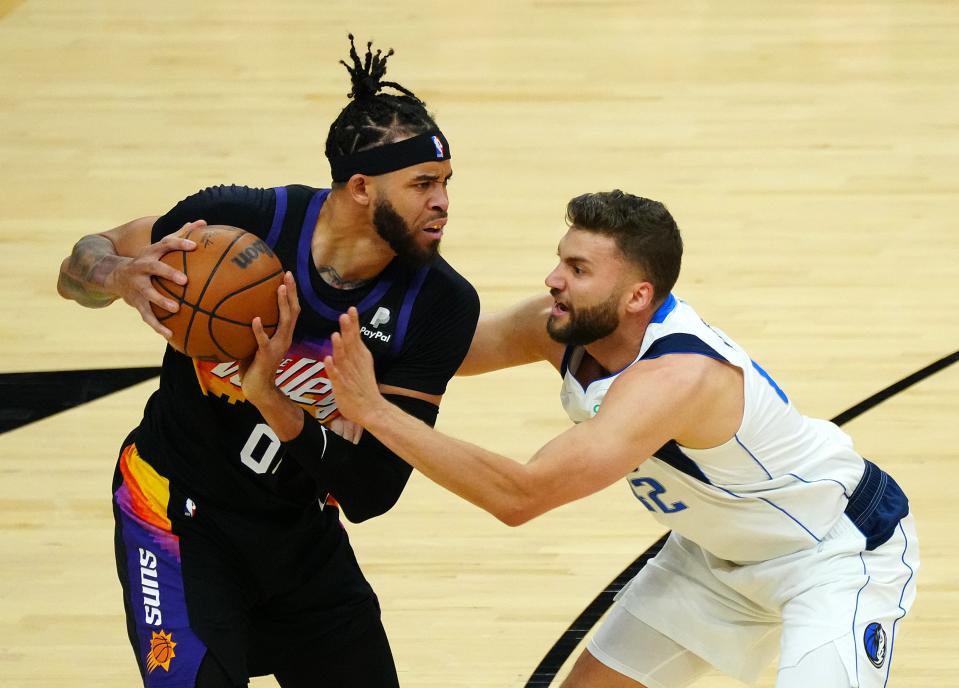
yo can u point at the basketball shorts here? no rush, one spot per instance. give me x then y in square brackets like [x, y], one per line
[738, 616]
[259, 595]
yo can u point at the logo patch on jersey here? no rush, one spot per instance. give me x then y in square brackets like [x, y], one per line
[161, 651]
[874, 641]
[189, 508]
[375, 334]
[381, 317]
[301, 376]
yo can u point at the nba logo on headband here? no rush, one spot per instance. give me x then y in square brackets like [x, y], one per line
[430, 146]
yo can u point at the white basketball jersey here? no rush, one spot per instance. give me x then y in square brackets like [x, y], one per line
[776, 487]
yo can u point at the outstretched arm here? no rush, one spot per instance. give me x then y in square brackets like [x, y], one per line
[120, 264]
[580, 461]
[512, 337]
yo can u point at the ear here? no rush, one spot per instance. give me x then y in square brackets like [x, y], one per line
[640, 297]
[359, 189]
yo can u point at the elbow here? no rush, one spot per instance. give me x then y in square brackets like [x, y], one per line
[520, 501]
[513, 520]
[515, 515]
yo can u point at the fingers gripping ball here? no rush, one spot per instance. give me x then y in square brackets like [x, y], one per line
[232, 277]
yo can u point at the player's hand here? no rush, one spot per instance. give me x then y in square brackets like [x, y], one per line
[347, 429]
[132, 279]
[350, 369]
[258, 373]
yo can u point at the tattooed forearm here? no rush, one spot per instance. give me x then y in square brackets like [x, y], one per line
[332, 277]
[83, 273]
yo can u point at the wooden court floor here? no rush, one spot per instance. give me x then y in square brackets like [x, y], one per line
[809, 151]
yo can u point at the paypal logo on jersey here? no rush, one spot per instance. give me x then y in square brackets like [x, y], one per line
[381, 317]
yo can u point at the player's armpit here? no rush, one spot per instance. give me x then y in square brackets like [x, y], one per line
[512, 337]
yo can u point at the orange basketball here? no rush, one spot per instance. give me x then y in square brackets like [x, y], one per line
[232, 277]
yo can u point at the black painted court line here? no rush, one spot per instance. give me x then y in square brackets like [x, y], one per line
[550, 665]
[895, 388]
[28, 397]
[544, 674]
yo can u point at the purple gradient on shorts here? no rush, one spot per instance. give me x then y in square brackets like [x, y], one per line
[144, 558]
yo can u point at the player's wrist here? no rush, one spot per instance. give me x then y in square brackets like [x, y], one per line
[377, 414]
[266, 397]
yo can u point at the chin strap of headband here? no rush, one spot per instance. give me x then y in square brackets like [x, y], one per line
[429, 147]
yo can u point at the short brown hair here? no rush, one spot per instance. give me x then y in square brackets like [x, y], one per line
[644, 231]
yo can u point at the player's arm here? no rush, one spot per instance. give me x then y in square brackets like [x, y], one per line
[647, 406]
[366, 477]
[119, 264]
[512, 337]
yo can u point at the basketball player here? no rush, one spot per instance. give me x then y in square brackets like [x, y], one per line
[229, 547]
[783, 537]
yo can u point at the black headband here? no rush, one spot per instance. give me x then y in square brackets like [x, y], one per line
[429, 147]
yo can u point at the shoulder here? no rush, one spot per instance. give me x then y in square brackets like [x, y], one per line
[298, 192]
[443, 284]
[679, 371]
[447, 276]
[234, 193]
[223, 197]
[239, 206]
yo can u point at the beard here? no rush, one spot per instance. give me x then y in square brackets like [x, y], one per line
[584, 326]
[394, 230]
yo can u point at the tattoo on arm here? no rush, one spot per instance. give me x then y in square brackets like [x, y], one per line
[332, 277]
[84, 272]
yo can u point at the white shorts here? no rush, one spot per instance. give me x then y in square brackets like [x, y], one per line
[736, 617]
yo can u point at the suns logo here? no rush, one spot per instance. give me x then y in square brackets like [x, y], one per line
[302, 378]
[161, 651]
[874, 641]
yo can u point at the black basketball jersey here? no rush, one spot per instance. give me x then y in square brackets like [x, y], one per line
[197, 428]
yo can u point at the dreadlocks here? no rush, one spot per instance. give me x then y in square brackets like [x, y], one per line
[373, 118]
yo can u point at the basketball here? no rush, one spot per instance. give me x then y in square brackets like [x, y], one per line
[232, 277]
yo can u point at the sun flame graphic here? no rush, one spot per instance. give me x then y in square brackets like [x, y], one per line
[161, 651]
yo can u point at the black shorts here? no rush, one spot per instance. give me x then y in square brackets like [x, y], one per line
[259, 595]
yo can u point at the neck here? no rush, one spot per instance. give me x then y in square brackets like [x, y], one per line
[617, 350]
[345, 247]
